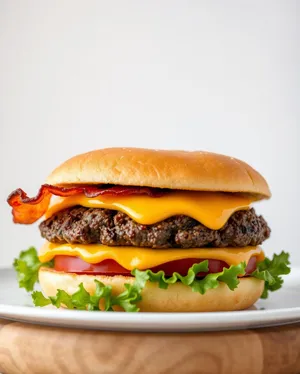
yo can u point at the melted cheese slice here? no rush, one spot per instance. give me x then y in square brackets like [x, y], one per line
[212, 209]
[144, 258]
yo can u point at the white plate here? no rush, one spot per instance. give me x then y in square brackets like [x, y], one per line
[282, 307]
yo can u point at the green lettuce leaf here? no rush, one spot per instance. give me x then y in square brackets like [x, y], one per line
[128, 299]
[102, 292]
[271, 270]
[39, 299]
[228, 276]
[27, 267]
[82, 300]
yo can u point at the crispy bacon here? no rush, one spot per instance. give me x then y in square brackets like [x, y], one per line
[28, 210]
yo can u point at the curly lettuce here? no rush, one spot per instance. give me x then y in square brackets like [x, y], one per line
[271, 270]
[27, 267]
[228, 276]
[82, 300]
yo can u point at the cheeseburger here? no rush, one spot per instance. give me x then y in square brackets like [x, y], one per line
[149, 230]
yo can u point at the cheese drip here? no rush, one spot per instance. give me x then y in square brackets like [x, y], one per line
[212, 209]
[144, 258]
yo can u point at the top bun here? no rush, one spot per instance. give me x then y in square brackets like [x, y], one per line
[196, 171]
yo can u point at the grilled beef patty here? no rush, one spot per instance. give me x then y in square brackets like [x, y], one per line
[80, 225]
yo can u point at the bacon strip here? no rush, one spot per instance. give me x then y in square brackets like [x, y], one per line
[28, 210]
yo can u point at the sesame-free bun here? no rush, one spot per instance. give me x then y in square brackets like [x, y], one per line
[197, 171]
[177, 298]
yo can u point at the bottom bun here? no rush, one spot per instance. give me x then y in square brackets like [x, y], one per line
[177, 298]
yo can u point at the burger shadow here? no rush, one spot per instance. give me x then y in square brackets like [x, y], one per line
[253, 307]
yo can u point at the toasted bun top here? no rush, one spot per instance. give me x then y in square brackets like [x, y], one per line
[197, 171]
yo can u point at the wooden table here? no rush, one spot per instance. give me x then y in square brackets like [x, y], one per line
[26, 348]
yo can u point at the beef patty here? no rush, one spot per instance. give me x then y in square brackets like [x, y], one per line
[110, 227]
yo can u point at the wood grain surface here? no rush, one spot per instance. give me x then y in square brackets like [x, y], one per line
[26, 348]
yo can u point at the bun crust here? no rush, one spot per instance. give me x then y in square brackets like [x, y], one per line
[197, 171]
[177, 298]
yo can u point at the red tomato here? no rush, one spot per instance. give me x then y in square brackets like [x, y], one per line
[70, 264]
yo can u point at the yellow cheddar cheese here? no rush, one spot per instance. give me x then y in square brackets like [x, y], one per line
[144, 258]
[212, 209]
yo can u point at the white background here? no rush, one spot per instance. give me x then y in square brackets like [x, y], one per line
[221, 76]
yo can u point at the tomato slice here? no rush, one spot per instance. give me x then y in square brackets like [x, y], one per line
[70, 264]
